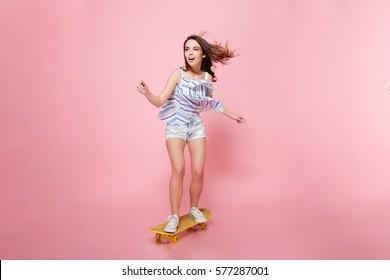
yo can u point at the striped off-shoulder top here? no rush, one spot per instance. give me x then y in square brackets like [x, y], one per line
[189, 98]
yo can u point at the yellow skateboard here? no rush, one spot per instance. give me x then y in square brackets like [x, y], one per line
[186, 222]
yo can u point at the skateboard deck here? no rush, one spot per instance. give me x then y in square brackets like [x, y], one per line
[186, 222]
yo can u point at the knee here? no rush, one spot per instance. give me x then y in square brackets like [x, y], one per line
[197, 174]
[178, 172]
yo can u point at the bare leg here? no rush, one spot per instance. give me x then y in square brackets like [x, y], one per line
[175, 148]
[197, 149]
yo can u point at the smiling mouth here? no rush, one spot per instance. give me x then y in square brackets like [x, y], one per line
[191, 59]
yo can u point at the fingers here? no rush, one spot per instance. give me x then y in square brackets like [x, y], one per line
[240, 119]
[141, 86]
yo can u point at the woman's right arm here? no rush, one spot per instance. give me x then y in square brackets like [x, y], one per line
[158, 100]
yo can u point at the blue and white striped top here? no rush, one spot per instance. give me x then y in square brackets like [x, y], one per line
[189, 98]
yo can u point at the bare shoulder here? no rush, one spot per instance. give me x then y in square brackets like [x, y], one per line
[175, 76]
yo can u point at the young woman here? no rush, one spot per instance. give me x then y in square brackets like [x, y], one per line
[187, 93]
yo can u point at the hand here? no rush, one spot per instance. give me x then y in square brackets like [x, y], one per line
[142, 87]
[238, 119]
[235, 117]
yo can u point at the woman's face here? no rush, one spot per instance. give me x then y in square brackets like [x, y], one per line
[193, 53]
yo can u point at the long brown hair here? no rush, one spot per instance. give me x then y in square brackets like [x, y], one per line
[214, 53]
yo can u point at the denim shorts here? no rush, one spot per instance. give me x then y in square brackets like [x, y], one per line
[190, 131]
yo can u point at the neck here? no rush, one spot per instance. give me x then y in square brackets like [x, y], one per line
[196, 70]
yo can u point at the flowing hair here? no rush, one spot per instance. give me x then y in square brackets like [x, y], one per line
[214, 53]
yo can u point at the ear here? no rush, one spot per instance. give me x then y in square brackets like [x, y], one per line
[204, 56]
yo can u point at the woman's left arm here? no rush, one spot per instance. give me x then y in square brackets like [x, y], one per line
[217, 106]
[235, 117]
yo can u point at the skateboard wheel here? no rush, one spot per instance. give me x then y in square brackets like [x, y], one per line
[203, 226]
[158, 236]
[174, 239]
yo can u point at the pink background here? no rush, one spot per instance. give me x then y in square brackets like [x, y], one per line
[83, 165]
